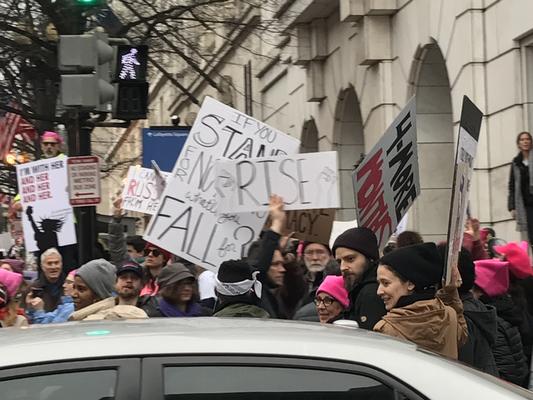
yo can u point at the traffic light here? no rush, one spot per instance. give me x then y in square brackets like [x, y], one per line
[131, 88]
[90, 3]
[85, 63]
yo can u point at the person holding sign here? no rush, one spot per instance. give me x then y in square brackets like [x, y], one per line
[408, 278]
[520, 189]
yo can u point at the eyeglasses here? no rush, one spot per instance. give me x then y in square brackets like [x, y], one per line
[49, 144]
[313, 252]
[327, 301]
[155, 252]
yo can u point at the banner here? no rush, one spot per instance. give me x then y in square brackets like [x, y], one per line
[47, 219]
[464, 164]
[309, 225]
[186, 222]
[142, 190]
[304, 181]
[387, 181]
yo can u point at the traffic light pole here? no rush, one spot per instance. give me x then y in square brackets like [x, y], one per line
[79, 136]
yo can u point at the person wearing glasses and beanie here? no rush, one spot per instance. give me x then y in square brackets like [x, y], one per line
[155, 258]
[331, 299]
[408, 278]
[51, 144]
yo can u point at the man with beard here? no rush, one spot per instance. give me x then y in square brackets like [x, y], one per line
[316, 256]
[51, 144]
[356, 251]
[93, 286]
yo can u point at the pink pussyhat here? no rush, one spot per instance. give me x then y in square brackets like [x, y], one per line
[50, 135]
[11, 280]
[492, 276]
[334, 286]
[516, 254]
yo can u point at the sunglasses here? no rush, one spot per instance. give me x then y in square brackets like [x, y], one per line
[327, 301]
[50, 144]
[155, 252]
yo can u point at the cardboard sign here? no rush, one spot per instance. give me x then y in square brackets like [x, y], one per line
[387, 181]
[143, 190]
[304, 181]
[186, 222]
[47, 219]
[469, 128]
[84, 181]
[309, 225]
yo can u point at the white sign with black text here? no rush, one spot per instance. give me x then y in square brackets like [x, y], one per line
[143, 190]
[186, 222]
[304, 181]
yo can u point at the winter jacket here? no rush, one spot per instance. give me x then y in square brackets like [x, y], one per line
[366, 308]
[60, 314]
[107, 309]
[519, 190]
[437, 324]
[269, 242]
[150, 305]
[482, 332]
[509, 354]
[508, 350]
[307, 313]
[242, 310]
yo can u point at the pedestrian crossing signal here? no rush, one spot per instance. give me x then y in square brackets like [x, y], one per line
[130, 63]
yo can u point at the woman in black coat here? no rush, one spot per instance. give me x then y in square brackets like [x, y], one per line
[520, 189]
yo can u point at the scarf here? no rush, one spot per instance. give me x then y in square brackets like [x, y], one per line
[404, 301]
[168, 310]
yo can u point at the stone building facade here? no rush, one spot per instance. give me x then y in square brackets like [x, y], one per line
[335, 73]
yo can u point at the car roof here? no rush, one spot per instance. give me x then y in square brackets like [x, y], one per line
[154, 336]
[39, 344]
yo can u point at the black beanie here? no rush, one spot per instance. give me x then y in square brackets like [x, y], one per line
[362, 240]
[466, 267]
[421, 264]
[231, 271]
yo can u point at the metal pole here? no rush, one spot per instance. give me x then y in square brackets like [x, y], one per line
[80, 145]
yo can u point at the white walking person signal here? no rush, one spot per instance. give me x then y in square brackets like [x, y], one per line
[128, 62]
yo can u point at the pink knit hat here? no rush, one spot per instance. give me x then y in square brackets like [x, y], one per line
[50, 135]
[516, 254]
[492, 276]
[334, 286]
[11, 280]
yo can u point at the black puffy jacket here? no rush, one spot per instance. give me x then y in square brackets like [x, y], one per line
[508, 350]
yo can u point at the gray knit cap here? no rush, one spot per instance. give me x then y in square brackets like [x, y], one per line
[100, 276]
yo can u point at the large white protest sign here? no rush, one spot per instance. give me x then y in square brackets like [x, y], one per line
[304, 181]
[48, 219]
[387, 181]
[186, 222]
[464, 164]
[143, 190]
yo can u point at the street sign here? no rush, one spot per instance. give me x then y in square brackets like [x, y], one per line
[84, 181]
[163, 145]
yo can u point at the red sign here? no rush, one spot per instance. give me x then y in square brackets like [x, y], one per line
[84, 181]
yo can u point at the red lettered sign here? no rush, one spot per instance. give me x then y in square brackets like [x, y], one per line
[84, 181]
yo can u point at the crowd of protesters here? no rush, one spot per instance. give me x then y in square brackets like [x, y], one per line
[483, 317]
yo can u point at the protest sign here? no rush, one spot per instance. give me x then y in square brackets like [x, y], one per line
[304, 181]
[387, 180]
[142, 190]
[48, 219]
[464, 164]
[309, 225]
[186, 222]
